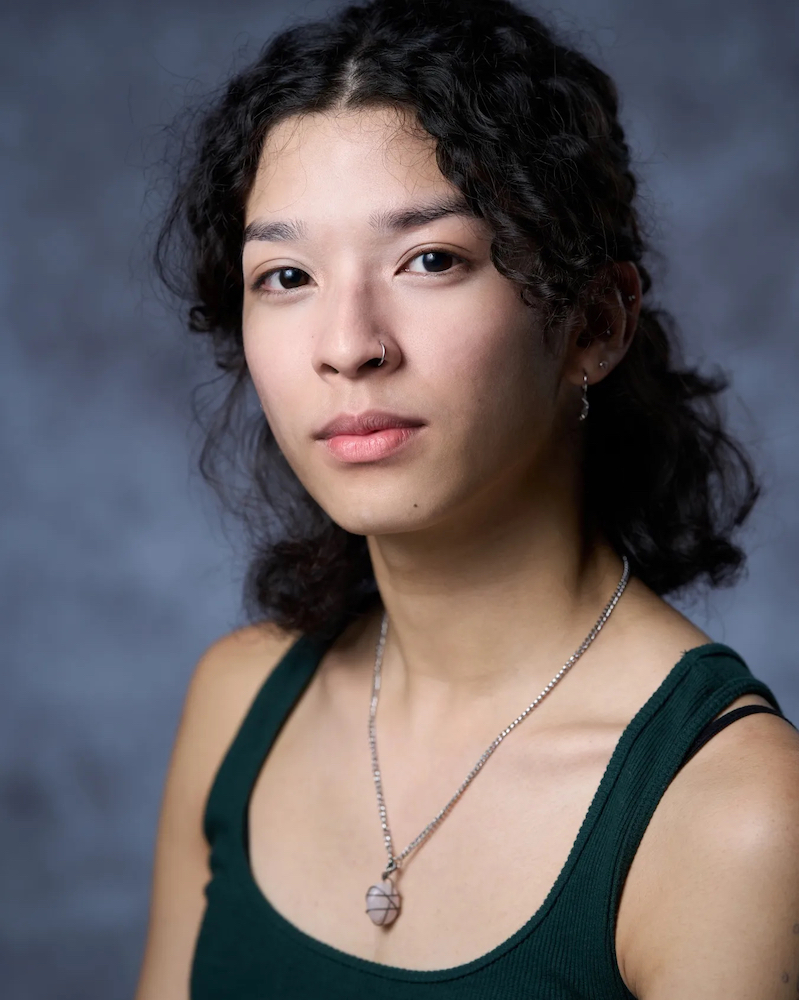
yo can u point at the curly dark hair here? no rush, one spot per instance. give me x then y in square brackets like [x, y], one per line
[527, 128]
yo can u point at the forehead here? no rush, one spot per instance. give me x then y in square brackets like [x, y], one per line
[345, 158]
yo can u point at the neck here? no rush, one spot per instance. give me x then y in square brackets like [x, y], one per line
[500, 598]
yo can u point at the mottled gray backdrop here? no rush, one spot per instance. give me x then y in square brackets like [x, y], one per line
[117, 573]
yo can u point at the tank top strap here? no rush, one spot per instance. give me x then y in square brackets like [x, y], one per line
[648, 755]
[705, 681]
[229, 797]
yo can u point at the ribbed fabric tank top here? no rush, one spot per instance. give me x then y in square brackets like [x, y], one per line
[247, 951]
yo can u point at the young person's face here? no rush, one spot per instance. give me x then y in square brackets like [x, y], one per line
[464, 354]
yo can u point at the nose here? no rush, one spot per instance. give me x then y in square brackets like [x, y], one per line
[353, 327]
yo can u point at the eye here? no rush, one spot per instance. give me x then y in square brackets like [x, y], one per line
[282, 280]
[436, 261]
[288, 278]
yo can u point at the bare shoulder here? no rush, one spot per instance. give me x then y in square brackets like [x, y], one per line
[646, 639]
[225, 681]
[654, 630]
[230, 673]
[720, 858]
[245, 653]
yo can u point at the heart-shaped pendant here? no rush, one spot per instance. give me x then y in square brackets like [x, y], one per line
[383, 903]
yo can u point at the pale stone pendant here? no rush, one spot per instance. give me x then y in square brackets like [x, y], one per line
[383, 903]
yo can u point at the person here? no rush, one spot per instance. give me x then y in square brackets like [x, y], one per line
[465, 747]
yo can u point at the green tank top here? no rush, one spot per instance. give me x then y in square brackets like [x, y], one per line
[246, 950]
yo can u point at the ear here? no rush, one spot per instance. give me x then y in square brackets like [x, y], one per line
[606, 324]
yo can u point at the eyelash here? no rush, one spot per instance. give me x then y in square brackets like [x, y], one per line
[257, 285]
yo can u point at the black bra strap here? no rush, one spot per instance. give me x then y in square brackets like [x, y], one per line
[716, 725]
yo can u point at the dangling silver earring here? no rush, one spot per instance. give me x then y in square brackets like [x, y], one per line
[380, 362]
[584, 412]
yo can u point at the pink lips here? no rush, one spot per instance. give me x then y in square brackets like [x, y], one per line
[366, 423]
[370, 447]
[368, 436]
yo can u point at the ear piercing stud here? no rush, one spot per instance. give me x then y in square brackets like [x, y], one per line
[631, 298]
[603, 364]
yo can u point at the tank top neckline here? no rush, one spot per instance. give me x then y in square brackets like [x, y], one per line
[315, 650]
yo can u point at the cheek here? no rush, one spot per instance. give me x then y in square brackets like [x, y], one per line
[272, 369]
[500, 371]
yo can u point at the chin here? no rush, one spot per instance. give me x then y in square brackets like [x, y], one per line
[380, 522]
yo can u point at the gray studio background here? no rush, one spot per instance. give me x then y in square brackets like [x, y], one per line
[117, 573]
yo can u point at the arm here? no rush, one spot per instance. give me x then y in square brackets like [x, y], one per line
[222, 688]
[718, 918]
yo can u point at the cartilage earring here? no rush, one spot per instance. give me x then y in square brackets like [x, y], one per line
[584, 412]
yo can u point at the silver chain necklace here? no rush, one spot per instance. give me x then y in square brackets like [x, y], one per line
[383, 899]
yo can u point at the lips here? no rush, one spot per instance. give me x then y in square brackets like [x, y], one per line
[366, 423]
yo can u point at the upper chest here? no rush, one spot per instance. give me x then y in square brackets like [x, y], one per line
[316, 842]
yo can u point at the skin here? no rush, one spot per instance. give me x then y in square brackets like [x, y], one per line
[491, 581]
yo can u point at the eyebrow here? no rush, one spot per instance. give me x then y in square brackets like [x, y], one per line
[390, 221]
